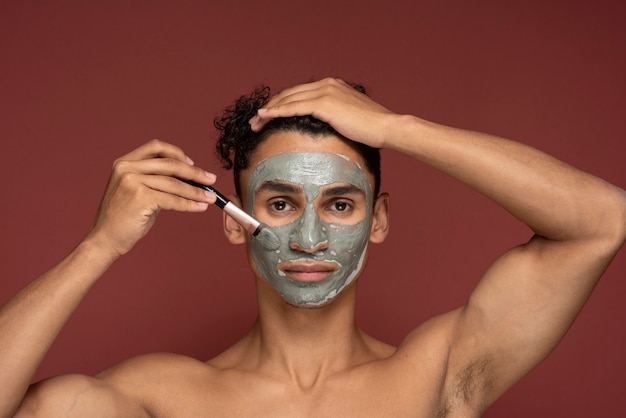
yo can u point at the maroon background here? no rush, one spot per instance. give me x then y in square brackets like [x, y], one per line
[84, 82]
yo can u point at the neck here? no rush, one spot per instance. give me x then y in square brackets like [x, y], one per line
[307, 344]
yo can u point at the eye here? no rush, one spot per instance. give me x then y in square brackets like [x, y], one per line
[340, 206]
[280, 206]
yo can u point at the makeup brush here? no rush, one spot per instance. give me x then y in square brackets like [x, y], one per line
[258, 230]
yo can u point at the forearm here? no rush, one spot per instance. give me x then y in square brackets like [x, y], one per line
[32, 319]
[554, 199]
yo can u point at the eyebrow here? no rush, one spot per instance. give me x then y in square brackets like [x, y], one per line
[279, 187]
[342, 190]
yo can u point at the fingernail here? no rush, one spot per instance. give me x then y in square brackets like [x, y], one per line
[254, 120]
[203, 205]
[210, 176]
[189, 160]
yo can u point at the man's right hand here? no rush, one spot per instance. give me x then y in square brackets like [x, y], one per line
[142, 183]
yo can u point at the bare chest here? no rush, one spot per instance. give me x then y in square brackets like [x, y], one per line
[375, 396]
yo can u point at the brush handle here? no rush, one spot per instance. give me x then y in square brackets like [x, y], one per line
[248, 222]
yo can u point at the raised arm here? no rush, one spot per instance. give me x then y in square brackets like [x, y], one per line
[527, 300]
[140, 185]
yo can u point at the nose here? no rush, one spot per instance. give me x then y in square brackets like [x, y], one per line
[308, 234]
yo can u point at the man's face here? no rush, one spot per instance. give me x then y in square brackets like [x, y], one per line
[319, 205]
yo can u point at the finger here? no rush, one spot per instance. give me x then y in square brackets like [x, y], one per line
[161, 200]
[313, 87]
[164, 167]
[157, 148]
[179, 204]
[171, 186]
[297, 104]
[305, 92]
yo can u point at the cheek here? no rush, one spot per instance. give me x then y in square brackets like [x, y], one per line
[347, 242]
[264, 259]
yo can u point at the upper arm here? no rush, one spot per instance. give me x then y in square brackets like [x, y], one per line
[77, 396]
[522, 307]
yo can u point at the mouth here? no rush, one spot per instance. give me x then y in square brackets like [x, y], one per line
[308, 271]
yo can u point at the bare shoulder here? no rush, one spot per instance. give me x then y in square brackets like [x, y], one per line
[133, 388]
[154, 367]
[151, 379]
[77, 395]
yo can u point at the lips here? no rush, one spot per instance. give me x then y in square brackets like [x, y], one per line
[308, 271]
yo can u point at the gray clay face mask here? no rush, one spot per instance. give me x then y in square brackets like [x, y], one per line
[346, 244]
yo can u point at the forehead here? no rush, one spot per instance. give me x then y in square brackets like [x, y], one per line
[308, 168]
[300, 158]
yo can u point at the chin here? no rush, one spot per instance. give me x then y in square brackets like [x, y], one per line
[310, 305]
[313, 301]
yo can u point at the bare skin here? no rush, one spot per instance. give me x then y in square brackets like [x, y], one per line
[315, 362]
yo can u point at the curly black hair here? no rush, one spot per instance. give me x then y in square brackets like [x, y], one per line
[237, 141]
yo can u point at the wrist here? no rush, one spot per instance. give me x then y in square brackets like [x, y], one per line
[403, 132]
[94, 247]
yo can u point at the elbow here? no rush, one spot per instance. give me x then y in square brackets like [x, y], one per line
[603, 227]
[615, 221]
[623, 217]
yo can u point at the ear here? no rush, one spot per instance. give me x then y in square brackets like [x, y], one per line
[380, 219]
[233, 231]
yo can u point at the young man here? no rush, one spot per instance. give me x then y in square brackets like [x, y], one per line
[317, 191]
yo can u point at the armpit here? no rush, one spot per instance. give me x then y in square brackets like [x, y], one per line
[466, 390]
